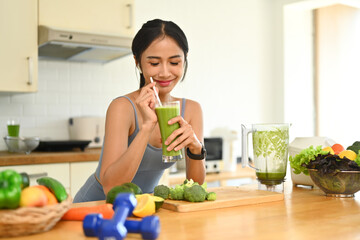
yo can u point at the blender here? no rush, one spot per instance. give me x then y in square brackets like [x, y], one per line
[270, 147]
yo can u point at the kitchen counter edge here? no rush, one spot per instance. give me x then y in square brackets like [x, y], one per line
[14, 159]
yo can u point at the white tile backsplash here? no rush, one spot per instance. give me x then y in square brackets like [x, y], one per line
[34, 110]
[66, 89]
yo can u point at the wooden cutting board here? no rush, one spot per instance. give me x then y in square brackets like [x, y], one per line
[226, 197]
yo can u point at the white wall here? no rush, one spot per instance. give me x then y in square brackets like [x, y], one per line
[297, 39]
[232, 67]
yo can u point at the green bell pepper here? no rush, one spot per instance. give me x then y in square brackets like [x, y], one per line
[10, 189]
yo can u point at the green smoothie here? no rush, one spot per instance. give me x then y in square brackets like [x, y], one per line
[269, 178]
[13, 130]
[164, 114]
[270, 145]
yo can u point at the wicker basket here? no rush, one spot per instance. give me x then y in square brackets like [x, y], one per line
[30, 220]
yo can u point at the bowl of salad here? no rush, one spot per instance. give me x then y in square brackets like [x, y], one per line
[336, 173]
[337, 184]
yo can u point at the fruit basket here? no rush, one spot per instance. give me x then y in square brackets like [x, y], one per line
[30, 220]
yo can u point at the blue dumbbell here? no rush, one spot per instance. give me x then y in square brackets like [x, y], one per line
[95, 225]
[148, 227]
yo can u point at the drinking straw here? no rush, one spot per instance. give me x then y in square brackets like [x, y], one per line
[156, 94]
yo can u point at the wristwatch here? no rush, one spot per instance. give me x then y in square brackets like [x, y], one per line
[197, 156]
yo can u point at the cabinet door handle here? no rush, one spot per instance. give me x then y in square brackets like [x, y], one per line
[38, 175]
[31, 69]
[129, 6]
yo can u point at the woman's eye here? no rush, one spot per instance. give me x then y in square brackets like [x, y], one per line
[174, 63]
[154, 64]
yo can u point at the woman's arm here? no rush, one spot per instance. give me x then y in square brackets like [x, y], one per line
[120, 161]
[195, 169]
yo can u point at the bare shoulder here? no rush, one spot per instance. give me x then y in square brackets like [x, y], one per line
[192, 110]
[192, 105]
[120, 108]
[120, 104]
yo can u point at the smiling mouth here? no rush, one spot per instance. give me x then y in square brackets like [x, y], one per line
[163, 83]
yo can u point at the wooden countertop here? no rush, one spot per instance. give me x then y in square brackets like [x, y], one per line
[304, 214]
[12, 159]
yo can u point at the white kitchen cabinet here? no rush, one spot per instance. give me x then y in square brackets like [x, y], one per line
[111, 17]
[59, 171]
[18, 46]
[79, 173]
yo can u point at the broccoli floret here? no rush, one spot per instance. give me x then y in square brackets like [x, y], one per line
[187, 183]
[204, 186]
[162, 191]
[177, 193]
[195, 194]
[211, 196]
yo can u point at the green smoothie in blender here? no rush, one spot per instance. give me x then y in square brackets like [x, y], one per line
[270, 154]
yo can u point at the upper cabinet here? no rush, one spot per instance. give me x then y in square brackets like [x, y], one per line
[110, 17]
[18, 46]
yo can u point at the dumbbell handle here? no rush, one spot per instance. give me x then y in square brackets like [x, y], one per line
[148, 227]
[120, 214]
[123, 207]
[133, 226]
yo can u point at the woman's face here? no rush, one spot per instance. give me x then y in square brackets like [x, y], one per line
[163, 60]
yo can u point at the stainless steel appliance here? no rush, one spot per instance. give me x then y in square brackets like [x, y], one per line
[80, 46]
[88, 128]
[214, 150]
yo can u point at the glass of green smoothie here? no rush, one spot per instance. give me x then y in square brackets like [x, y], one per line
[165, 112]
[13, 127]
[270, 149]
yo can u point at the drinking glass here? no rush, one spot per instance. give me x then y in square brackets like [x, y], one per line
[13, 127]
[167, 111]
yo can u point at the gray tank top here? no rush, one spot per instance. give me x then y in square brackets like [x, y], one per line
[151, 167]
[147, 177]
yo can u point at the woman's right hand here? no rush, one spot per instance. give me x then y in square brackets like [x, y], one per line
[146, 102]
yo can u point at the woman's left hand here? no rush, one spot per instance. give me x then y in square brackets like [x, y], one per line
[185, 137]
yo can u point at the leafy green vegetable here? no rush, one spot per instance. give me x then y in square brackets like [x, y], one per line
[332, 164]
[354, 147]
[177, 193]
[211, 196]
[195, 193]
[357, 159]
[299, 161]
[162, 191]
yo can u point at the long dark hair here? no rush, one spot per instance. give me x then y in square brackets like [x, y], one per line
[152, 30]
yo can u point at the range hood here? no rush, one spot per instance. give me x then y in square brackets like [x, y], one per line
[82, 47]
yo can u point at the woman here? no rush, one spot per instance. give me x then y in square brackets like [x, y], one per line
[132, 145]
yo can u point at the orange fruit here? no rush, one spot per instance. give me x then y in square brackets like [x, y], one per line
[338, 148]
[349, 154]
[328, 149]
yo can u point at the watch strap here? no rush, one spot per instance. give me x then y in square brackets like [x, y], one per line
[197, 156]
